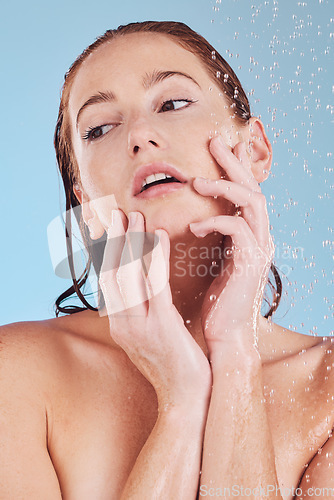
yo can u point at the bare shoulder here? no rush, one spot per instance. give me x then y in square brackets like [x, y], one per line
[277, 344]
[26, 358]
[27, 350]
[31, 351]
[43, 357]
[300, 368]
[49, 373]
[34, 359]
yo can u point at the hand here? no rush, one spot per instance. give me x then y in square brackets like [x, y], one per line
[232, 304]
[146, 324]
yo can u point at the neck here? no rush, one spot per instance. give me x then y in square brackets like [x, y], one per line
[194, 264]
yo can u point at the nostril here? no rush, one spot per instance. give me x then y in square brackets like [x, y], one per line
[137, 148]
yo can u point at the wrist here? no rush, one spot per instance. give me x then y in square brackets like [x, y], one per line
[184, 407]
[234, 357]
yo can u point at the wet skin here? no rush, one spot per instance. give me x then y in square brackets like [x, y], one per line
[85, 410]
[92, 410]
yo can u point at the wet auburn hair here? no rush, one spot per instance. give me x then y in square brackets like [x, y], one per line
[223, 76]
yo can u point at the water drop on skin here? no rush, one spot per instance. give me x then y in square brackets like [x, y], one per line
[212, 297]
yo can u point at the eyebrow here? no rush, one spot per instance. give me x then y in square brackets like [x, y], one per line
[95, 99]
[149, 80]
[155, 77]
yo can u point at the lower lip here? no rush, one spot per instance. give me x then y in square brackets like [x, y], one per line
[160, 189]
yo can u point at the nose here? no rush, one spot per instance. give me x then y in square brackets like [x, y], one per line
[142, 137]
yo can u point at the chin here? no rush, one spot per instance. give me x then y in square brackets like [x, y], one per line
[176, 217]
[175, 226]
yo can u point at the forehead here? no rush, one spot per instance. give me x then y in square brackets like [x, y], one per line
[129, 58]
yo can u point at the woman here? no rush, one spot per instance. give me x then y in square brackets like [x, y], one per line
[177, 387]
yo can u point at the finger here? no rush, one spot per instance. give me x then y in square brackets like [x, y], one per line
[236, 227]
[236, 193]
[245, 247]
[240, 152]
[111, 259]
[237, 171]
[130, 275]
[103, 207]
[253, 203]
[158, 276]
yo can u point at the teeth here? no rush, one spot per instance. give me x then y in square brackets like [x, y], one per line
[158, 177]
[155, 177]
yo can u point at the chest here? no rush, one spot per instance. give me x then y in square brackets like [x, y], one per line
[300, 412]
[100, 423]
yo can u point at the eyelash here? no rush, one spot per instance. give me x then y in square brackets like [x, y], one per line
[89, 132]
[188, 101]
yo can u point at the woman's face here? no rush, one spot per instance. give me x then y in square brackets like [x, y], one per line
[143, 104]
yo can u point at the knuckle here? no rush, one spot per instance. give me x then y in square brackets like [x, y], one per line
[260, 199]
[241, 224]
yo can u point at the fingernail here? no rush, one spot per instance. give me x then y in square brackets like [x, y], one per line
[196, 229]
[132, 216]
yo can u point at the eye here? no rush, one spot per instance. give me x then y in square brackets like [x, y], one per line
[95, 132]
[175, 104]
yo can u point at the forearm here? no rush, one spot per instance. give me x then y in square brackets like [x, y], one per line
[238, 451]
[168, 465]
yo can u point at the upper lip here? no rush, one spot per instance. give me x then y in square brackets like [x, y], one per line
[154, 168]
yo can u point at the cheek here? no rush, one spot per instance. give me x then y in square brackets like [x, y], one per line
[100, 176]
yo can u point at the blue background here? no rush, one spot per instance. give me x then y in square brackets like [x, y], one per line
[282, 52]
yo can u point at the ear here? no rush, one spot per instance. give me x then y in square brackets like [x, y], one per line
[89, 215]
[259, 149]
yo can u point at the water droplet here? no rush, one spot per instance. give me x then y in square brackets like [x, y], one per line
[213, 297]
